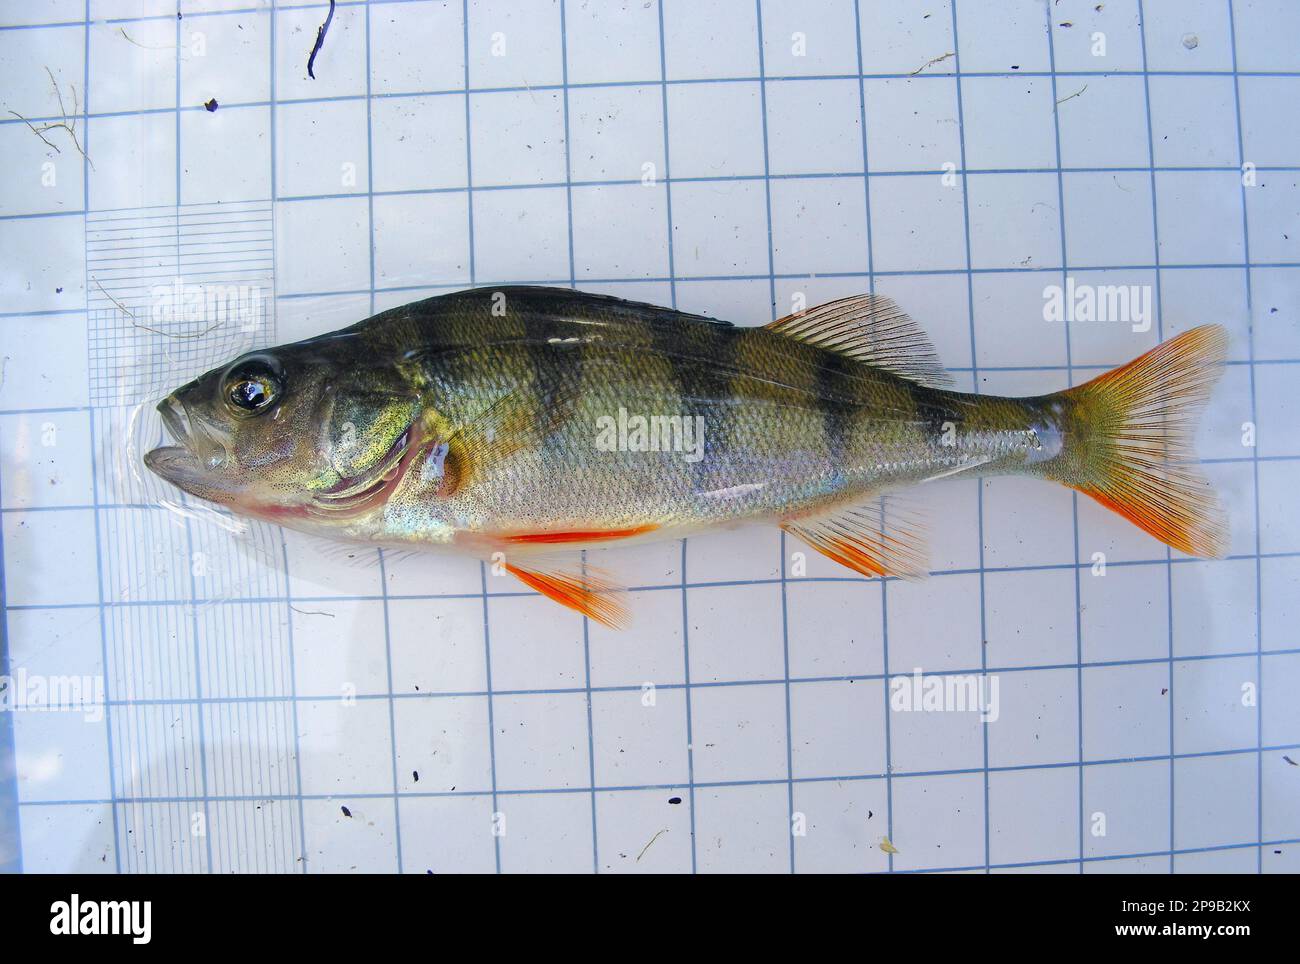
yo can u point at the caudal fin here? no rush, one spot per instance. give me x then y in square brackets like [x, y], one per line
[1128, 441]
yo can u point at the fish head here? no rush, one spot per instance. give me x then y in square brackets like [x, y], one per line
[302, 430]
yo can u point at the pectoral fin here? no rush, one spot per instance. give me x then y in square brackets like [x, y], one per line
[517, 421]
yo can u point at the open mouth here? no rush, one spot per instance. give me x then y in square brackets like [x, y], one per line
[174, 461]
[360, 493]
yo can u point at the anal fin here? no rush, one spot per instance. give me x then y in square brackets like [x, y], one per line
[586, 590]
[883, 538]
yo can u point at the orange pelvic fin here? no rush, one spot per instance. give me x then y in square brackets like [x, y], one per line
[587, 591]
[885, 538]
[591, 535]
[1129, 441]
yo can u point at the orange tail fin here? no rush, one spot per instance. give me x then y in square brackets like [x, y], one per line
[1128, 441]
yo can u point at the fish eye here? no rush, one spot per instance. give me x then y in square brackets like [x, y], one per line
[253, 385]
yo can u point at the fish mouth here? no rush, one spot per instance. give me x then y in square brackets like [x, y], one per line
[358, 494]
[180, 462]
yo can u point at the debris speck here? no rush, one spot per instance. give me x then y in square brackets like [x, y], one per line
[887, 846]
[210, 105]
[1191, 41]
[674, 800]
[346, 811]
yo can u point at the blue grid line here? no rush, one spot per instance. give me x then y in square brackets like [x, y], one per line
[686, 686]
[189, 525]
[233, 11]
[1069, 364]
[1159, 301]
[383, 574]
[709, 684]
[775, 781]
[289, 660]
[294, 700]
[676, 82]
[94, 482]
[672, 288]
[482, 567]
[198, 689]
[284, 548]
[771, 281]
[668, 180]
[884, 583]
[654, 587]
[797, 276]
[697, 179]
[970, 310]
[573, 283]
[10, 816]
[1254, 449]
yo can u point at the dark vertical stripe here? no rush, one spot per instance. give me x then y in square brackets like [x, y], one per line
[701, 358]
[838, 378]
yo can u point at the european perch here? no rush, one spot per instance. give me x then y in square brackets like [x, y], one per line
[525, 421]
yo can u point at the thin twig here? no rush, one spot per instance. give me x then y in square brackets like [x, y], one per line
[138, 324]
[932, 61]
[129, 39]
[311, 612]
[647, 846]
[37, 131]
[70, 127]
[1072, 96]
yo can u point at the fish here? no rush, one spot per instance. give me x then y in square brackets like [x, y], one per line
[521, 425]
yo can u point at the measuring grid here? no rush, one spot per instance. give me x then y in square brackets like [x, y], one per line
[599, 793]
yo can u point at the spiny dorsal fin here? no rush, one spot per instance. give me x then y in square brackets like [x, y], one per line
[882, 538]
[871, 329]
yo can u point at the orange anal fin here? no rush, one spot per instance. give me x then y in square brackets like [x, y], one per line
[882, 539]
[586, 592]
[593, 535]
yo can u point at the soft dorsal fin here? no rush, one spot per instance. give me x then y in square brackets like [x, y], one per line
[883, 538]
[871, 329]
